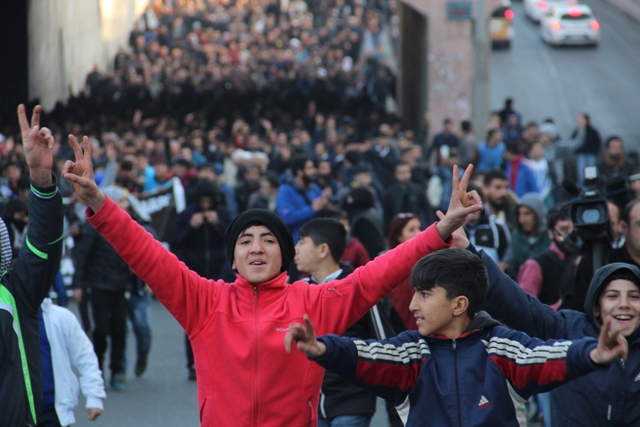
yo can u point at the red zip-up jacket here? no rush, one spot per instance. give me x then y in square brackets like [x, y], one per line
[245, 377]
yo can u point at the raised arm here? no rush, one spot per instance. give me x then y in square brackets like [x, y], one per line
[368, 284]
[179, 289]
[509, 304]
[388, 368]
[39, 261]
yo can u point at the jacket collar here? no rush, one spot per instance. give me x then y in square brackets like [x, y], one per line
[266, 291]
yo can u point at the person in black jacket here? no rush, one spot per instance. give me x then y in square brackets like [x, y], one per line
[198, 241]
[24, 287]
[321, 243]
[364, 220]
[405, 196]
[99, 268]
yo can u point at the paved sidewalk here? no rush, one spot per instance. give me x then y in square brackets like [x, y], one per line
[630, 7]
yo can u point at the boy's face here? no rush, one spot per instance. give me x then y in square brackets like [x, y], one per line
[257, 256]
[433, 311]
[620, 300]
[308, 255]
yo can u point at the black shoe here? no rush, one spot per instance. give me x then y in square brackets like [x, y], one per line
[141, 366]
[192, 374]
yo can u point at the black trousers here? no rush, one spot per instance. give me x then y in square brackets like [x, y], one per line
[48, 418]
[110, 320]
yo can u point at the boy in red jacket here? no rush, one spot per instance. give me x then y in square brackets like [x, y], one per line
[244, 376]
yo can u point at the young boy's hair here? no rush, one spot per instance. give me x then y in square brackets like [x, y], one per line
[326, 230]
[458, 271]
[338, 214]
[559, 212]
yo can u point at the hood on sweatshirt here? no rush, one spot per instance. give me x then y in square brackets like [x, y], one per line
[536, 204]
[599, 282]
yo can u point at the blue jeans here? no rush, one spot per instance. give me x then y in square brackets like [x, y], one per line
[345, 421]
[140, 315]
[544, 406]
[584, 160]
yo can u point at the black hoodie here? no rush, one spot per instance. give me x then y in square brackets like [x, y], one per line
[607, 397]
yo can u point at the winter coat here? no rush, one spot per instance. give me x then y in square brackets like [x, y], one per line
[483, 378]
[245, 377]
[70, 347]
[22, 290]
[293, 205]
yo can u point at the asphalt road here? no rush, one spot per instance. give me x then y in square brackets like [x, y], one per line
[162, 397]
[560, 82]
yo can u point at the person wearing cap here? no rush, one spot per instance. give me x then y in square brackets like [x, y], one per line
[237, 330]
[24, 287]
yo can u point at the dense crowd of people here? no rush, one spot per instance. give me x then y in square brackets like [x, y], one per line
[281, 105]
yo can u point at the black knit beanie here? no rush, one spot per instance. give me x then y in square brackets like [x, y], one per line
[270, 220]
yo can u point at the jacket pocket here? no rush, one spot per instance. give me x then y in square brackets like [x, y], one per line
[313, 413]
[205, 414]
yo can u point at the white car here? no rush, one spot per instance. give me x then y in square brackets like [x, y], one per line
[535, 9]
[570, 25]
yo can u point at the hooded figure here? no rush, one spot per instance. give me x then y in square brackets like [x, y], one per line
[530, 237]
[608, 396]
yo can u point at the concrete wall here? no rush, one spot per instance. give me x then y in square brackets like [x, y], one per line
[66, 39]
[450, 62]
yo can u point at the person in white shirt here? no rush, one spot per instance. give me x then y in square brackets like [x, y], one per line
[64, 346]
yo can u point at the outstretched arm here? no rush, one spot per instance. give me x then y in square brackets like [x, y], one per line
[532, 365]
[509, 304]
[367, 285]
[178, 288]
[388, 368]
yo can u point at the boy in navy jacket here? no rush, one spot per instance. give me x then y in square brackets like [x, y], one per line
[459, 368]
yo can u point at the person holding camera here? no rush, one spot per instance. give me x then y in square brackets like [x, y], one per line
[574, 297]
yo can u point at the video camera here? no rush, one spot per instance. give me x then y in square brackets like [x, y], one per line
[588, 211]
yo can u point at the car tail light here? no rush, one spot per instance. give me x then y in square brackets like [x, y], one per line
[595, 25]
[508, 14]
[543, 5]
[575, 13]
[555, 25]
